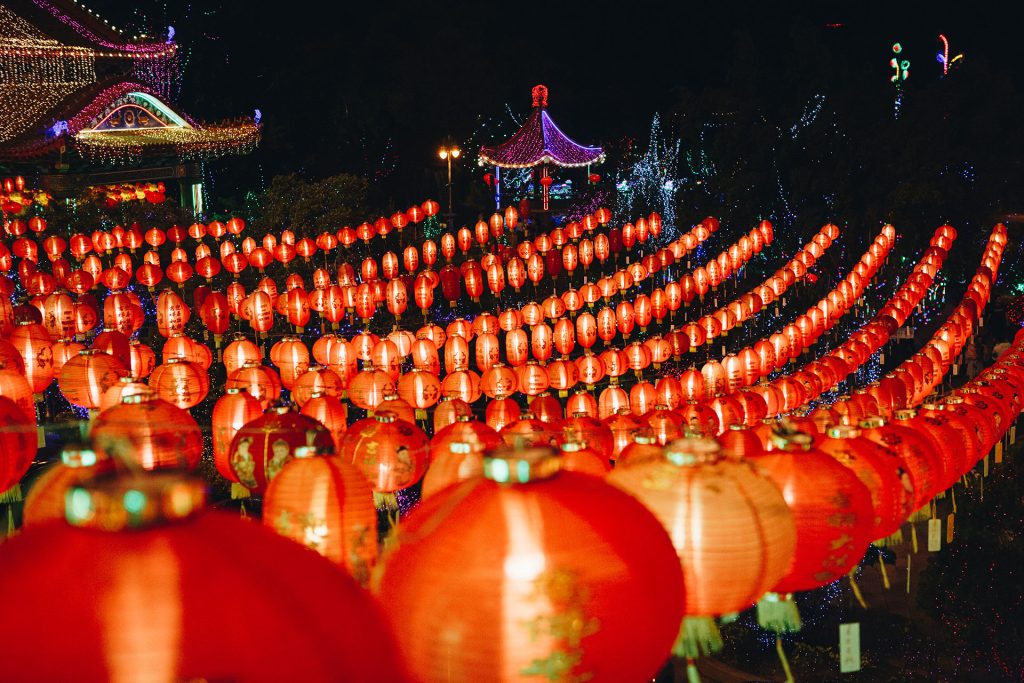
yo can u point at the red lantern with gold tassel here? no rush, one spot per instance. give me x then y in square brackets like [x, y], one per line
[730, 525]
[629, 612]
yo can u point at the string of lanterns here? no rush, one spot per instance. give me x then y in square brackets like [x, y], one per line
[273, 452]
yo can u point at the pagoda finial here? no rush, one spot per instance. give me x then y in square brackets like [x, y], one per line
[540, 96]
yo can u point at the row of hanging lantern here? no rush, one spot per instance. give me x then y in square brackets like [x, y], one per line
[392, 453]
[786, 490]
[787, 487]
[124, 316]
[787, 392]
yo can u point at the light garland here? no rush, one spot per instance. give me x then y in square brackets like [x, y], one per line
[540, 141]
[124, 146]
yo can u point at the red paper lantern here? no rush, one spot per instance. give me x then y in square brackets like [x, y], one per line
[391, 453]
[730, 525]
[831, 509]
[325, 504]
[608, 610]
[150, 432]
[147, 536]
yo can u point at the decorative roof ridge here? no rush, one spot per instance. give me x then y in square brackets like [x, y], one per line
[540, 141]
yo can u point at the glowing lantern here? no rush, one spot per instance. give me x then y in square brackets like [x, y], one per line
[148, 431]
[725, 518]
[617, 523]
[33, 343]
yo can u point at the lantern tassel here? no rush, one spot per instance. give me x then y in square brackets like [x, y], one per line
[698, 637]
[885, 574]
[856, 589]
[11, 528]
[921, 514]
[913, 537]
[11, 495]
[778, 613]
[241, 511]
[385, 500]
[692, 675]
[238, 491]
[892, 541]
[782, 658]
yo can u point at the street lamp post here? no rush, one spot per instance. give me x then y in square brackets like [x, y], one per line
[448, 153]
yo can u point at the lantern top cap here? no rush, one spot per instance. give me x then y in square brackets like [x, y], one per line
[521, 465]
[873, 422]
[905, 414]
[787, 437]
[122, 502]
[78, 456]
[645, 436]
[313, 451]
[144, 396]
[692, 451]
[842, 432]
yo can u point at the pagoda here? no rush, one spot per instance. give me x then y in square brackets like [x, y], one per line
[81, 105]
[540, 142]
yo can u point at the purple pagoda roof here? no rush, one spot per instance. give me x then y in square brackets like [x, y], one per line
[540, 141]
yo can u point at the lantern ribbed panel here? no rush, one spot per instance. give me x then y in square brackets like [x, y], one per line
[832, 512]
[172, 597]
[730, 525]
[391, 455]
[879, 469]
[86, 377]
[150, 432]
[569, 551]
[325, 505]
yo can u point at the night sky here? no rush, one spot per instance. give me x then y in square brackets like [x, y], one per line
[344, 88]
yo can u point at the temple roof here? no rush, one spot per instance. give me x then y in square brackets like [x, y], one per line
[71, 83]
[540, 141]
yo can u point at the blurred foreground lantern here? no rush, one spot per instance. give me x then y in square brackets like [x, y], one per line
[142, 546]
[533, 604]
[17, 447]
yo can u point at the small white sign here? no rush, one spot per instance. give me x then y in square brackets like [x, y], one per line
[849, 648]
[934, 535]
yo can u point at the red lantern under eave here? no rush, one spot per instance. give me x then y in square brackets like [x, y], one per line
[511, 502]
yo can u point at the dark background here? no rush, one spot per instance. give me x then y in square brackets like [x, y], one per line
[780, 114]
